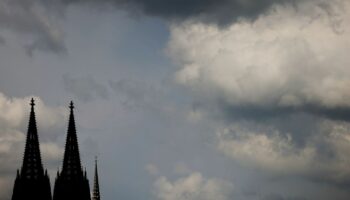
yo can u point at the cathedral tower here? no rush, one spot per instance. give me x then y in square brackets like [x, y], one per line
[32, 182]
[72, 182]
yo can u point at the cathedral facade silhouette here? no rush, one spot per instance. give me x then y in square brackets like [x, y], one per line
[32, 181]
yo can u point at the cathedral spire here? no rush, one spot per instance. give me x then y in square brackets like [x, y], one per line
[32, 167]
[71, 162]
[96, 190]
[71, 183]
[31, 181]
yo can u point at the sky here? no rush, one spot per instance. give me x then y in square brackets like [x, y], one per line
[183, 99]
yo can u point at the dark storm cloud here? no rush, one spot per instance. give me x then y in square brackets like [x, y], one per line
[212, 11]
[46, 44]
[36, 19]
[280, 197]
[40, 19]
[261, 113]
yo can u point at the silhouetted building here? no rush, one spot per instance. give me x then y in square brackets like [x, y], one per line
[72, 182]
[96, 189]
[32, 182]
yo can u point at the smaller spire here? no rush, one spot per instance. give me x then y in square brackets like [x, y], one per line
[96, 189]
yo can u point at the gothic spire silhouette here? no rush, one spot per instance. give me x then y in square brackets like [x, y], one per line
[71, 183]
[71, 162]
[32, 182]
[32, 167]
[96, 190]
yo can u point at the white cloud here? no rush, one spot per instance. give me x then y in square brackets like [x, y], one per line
[290, 56]
[193, 187]
[338, 140]
[268, 149]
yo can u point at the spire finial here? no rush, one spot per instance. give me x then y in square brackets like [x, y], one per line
[32, 102]
[71, 106]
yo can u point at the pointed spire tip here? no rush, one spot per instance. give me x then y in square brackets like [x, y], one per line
[32, 102]
[71, 106]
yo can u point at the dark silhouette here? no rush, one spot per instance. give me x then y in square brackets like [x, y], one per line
[96, 189]
[32, 182]
[72, 182]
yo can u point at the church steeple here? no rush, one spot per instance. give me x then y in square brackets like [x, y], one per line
[96, 190]
[32, 167]
[71, 183]
[31, 181]
[71, 162]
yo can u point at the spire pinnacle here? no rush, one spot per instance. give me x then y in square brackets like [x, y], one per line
[32, 182]
[96, 189]
[72, 182]
[32, 167]
[71, 161]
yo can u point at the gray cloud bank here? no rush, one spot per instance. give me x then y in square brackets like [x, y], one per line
[213, 11]
[39, 21]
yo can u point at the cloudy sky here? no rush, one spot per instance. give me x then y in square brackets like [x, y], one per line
[183, 99]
